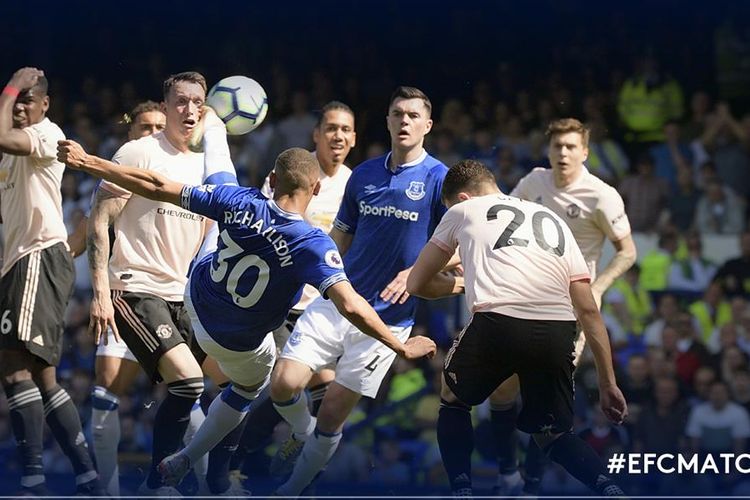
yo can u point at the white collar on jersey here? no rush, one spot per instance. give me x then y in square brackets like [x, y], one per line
[419, 160]
[289, 215]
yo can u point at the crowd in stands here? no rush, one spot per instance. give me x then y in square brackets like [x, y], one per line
[679, 154]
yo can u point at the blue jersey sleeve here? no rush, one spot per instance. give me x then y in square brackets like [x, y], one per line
[438, 209]
[209, 200]
[348, 215]
[322, 266]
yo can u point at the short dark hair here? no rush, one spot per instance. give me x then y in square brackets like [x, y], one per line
[567, 125]
[404, 92]
[333, 106]
[295, 168]
[466, 175]
[185, 76]
[139, 109]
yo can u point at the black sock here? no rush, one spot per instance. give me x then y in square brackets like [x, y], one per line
[582, 462]
[63, 419]
[261, 420]
[504, 426]
[533, 468]
[219, 459]
[171, 421]
[27, 421]
[316, 396]
[455, 435]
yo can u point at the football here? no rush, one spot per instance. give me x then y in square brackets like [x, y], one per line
[240, 102]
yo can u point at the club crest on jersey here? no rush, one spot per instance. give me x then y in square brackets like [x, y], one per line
[415, 191]
[573, 211]
[333, 259]
[164, 331]
[295, 338]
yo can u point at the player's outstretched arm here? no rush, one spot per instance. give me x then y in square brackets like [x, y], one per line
[623, 259]
[610, 397]
[143, 182]
[426, 279]
[356, 309]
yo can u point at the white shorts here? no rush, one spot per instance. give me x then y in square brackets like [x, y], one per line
[114, 349]
[322, 335]
[247, 368]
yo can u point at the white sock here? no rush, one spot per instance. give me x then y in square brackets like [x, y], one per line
[318, 450]
[297, 413]
[225, 413]
[105, 428]
[217, 164]
[196, 420]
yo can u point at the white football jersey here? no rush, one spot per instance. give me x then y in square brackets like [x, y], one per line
[320, 213]
[30, 198]
[592, 208]
[519, 257]
[155, 241]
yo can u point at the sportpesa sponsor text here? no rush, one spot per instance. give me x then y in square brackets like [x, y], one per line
[388, 211]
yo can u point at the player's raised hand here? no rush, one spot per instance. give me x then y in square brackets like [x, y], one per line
[25, 78]
[395, 291]
[71, 154]
[102, 315]
[613, 404]
[419, 346]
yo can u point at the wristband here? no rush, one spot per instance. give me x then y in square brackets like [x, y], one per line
[11, 91]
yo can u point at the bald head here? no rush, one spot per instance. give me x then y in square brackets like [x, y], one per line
[296, 169]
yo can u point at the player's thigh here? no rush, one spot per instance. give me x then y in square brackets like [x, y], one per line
[289, 377]
[507, 391]
[15, 366]
[481, 357]
[146, 325]
[337, 404]
[116, 374]
[178, 363]
[247, 369]
[324, 376]
[212, 370]
[546, 376]
[366, 361]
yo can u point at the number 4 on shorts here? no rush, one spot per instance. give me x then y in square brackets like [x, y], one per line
[372, 365]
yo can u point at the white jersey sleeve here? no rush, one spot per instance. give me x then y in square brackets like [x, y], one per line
[44, 136]
[445, 233]
[610, 215]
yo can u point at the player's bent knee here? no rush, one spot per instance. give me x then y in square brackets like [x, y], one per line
[178, 364]
[446, 394]
[288, 379]
[455, 404]
[189, 388]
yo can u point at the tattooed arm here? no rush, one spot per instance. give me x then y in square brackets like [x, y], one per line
[105, 210]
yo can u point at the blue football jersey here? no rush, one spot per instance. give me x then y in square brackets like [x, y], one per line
[391, 215]
[265, 255]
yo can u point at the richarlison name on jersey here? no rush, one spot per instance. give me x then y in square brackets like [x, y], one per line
[244, 218]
